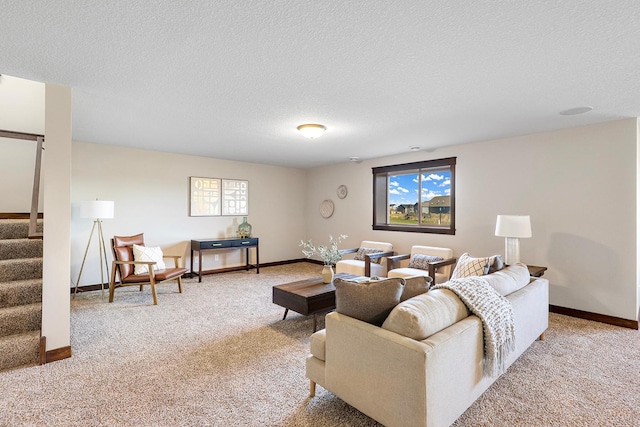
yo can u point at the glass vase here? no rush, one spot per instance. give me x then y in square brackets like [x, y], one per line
[244, 229]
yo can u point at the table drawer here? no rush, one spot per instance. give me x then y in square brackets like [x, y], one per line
[245, 242]
[216, 244]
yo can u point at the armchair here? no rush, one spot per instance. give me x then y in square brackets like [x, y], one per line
[370, 259]
[124, 265]
[439, 271]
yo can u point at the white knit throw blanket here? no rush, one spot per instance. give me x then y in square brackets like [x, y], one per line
[496, 314]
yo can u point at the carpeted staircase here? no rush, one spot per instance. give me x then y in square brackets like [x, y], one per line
[20, 294]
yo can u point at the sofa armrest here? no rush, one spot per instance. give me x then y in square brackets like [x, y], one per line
[377, 371]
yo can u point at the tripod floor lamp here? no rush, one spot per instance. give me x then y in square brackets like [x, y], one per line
[98, 210]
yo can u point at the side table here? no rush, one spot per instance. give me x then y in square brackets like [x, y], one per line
[536, 271]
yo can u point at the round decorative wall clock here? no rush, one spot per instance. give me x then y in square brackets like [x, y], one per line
[342, 191]
[326, 208]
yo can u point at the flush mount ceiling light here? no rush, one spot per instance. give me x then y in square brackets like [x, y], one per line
[311, 130]
[575, 111]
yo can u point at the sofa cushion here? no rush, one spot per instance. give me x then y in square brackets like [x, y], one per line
[424, 315]
[318, 344]
[469, 266]
[369, 301]
[367, 251]
[422, 261]
[509, 279]
[414, 286]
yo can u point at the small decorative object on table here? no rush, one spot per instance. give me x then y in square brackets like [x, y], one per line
[330, 254]
[244, 229]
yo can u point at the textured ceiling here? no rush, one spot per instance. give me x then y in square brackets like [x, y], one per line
[232, 79]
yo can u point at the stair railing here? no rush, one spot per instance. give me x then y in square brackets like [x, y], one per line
[35, 195]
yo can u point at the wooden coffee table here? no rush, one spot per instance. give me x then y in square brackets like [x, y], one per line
[309, 296]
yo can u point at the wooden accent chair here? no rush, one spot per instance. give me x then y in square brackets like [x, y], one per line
[124, 263]
[366, 263]
[439, 271]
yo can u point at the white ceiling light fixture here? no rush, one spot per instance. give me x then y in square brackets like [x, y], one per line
[312, 130]
[576, 111]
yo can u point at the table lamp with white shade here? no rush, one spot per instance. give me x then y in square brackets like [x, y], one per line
[98, 210]
[512, 228]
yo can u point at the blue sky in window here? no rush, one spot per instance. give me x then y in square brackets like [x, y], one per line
[403, 189]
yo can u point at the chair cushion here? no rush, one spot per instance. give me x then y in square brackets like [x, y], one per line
[414, 286]
[367, 251]
[509, 279]
[147, 253]
[160, 275]
[424, 315]
[369, 301]
[137, 239]
[123, 251]
[422, 261]
[469, 266]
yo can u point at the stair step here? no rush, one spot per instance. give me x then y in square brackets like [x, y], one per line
[20, 292]
[19, 350]
[20, 269]
[20, 248]
[17, 228]
[20, 319]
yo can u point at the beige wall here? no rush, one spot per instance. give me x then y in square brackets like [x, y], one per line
[17, 165]
[21, 110]
[151, 195]
[578, 185]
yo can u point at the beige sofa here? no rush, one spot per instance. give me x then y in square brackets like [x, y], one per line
[401, 381]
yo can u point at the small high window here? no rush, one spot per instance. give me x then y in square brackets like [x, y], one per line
[416, 197]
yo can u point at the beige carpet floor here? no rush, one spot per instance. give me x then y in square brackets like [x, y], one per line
[220, 355]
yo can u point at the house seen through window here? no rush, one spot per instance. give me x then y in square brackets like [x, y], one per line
[416, 197]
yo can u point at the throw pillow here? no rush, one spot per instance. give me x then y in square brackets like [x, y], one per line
[469, 266]
[495, 263]
[422, 261]
[367, 251]
[414, 286]
[369, 301]
[146, 253]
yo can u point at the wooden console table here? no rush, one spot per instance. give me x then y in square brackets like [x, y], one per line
[225, 243]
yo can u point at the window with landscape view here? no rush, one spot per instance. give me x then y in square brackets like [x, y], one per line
[416, 197]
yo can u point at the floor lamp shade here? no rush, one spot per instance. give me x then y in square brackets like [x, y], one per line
[512, 228]
[102, 209]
